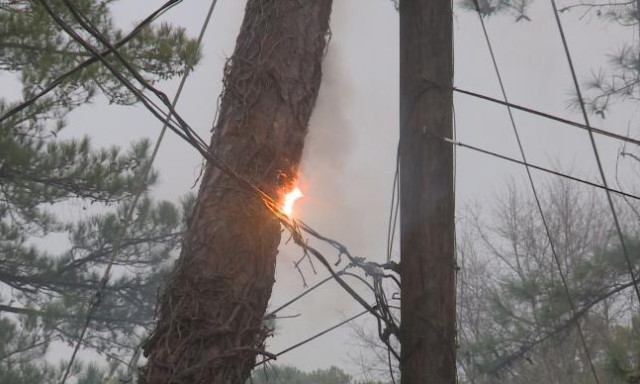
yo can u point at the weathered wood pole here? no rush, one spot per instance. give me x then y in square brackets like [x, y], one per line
[210, 326]
[427, 263]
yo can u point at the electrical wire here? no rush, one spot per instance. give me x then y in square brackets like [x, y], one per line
[394, 208]
[304, 293]
[92, 30]
[309, 339]
[182, 129]
[546, 170]
[169, 4]
[535, 112]
[549, 116]
[536, 196]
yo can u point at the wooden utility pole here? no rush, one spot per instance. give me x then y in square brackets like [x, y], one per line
[427, 266]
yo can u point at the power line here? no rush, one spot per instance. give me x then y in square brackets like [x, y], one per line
[595, 148]
[552, 245]
[304, 293]
[93, 307]
[548, 116]
[525, 348]
[184, 131]
[172, 117]
[339, 279]
[394, 208]
[89, 27]
[305, 341]
[535, 112]
[547, 170]
[60, 79]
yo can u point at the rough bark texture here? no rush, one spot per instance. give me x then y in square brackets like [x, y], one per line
[210, 325]
[427, 264]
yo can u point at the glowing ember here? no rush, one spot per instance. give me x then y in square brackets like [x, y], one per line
[289, 199]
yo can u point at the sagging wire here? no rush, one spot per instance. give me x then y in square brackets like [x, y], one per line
[380, 303]
[186, 133]
[394, 208]
[306, 292]
[530, 165]
[602, 132]
[369, 268]
[307, 340]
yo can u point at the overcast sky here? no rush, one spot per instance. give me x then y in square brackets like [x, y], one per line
[350, 152]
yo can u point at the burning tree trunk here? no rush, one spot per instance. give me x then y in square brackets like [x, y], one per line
[210, 326]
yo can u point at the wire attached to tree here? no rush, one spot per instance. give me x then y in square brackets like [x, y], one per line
[186, 132]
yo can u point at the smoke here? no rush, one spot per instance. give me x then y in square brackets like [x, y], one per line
[346, 176]
[330, 135]
[327, 151]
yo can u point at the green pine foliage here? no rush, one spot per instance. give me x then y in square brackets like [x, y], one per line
[34, 47]
[516, 320]
[622, 360]
[44, 294]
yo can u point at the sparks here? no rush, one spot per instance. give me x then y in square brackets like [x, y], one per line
[289, 199]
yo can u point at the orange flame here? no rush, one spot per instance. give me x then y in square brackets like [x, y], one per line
[289, 199]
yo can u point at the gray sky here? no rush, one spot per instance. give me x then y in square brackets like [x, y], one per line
[350, 153]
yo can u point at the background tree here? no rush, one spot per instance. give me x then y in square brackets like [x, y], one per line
[371, 356]
[516, 325]
[44, 294]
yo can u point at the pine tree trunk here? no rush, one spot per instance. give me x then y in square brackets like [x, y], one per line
[210, 325]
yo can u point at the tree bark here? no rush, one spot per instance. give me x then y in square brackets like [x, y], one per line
[210, 323]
